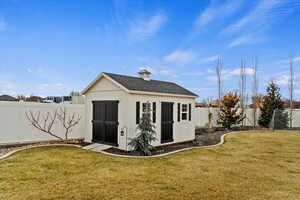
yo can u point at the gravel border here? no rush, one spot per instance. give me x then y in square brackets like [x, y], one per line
[206, 139]
[173, 152]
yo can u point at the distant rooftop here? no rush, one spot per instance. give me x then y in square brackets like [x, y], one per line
[7, 98]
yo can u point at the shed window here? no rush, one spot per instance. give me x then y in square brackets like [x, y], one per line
[145, 107]
[184, 112]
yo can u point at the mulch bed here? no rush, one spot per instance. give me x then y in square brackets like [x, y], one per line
[7, 148]
[202, 139]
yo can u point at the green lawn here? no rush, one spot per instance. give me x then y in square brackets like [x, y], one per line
[250, 165]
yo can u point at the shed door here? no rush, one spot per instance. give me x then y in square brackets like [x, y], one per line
[166, 122]
[105, 122]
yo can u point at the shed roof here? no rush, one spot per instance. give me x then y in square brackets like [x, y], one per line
[153, 86]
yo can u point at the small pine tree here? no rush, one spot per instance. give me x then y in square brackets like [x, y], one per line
[281, 119]
[230, 111]
[271, 103]
[142, 142]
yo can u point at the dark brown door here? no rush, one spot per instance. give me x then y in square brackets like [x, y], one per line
[105, 122]
[166, 122]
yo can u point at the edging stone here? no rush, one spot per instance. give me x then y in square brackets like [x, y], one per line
[128, 156]
[31, 147]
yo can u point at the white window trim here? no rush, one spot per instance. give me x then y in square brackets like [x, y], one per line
[142, 111]
[184, 112]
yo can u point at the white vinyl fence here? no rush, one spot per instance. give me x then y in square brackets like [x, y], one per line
[201, 117]
[296, 118]
[15, 128]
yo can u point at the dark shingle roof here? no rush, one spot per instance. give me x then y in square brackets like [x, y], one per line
[7, 98]
[138, 84]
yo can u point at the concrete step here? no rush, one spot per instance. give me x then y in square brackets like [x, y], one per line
[97, 147]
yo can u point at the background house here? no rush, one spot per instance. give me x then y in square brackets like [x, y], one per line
[7, 98]
[115, 104]
[73, 98]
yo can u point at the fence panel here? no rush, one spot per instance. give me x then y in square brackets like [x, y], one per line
[201, 117]
[15, 128]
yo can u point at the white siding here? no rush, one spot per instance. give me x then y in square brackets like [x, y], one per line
[106, 90]
[101, 91]
[182, 131]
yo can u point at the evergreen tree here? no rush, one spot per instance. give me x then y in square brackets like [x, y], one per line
[142, 142]
[272, 104]
[230, 111]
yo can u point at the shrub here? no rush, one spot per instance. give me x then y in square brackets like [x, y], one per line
[271, 103]
[142, 142]
[230, 111]
[280, 120]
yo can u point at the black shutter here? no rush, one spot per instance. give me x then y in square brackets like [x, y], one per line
[178, 112]
[154, 112]
[137, 112]
[190, 112]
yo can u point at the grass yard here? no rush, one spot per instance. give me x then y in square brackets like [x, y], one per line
[250, 165]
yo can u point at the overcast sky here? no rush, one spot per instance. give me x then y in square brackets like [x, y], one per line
[50, 47]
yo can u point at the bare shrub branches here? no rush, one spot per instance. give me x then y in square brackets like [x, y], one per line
[44, 122]
[68, 121]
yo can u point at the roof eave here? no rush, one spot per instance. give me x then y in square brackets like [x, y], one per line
[84, 91]
[91, 84]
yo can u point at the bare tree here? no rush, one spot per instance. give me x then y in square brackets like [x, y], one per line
[68, 121]
[242, 85]
[291, 89]
[21, 97]
[219, 71]
[43, 123]
[254, 91]
[207, 101]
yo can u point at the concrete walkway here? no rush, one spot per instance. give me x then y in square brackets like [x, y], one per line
[97, 147]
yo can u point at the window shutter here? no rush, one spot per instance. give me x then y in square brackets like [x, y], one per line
[137, 112]
[154, 112]
[178, 112]
[190, 112]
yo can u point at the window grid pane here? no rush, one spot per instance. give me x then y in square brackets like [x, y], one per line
[184, 107]
[154, 112]
[184, 112]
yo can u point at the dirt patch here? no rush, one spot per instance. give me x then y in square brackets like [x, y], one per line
[209, 138]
